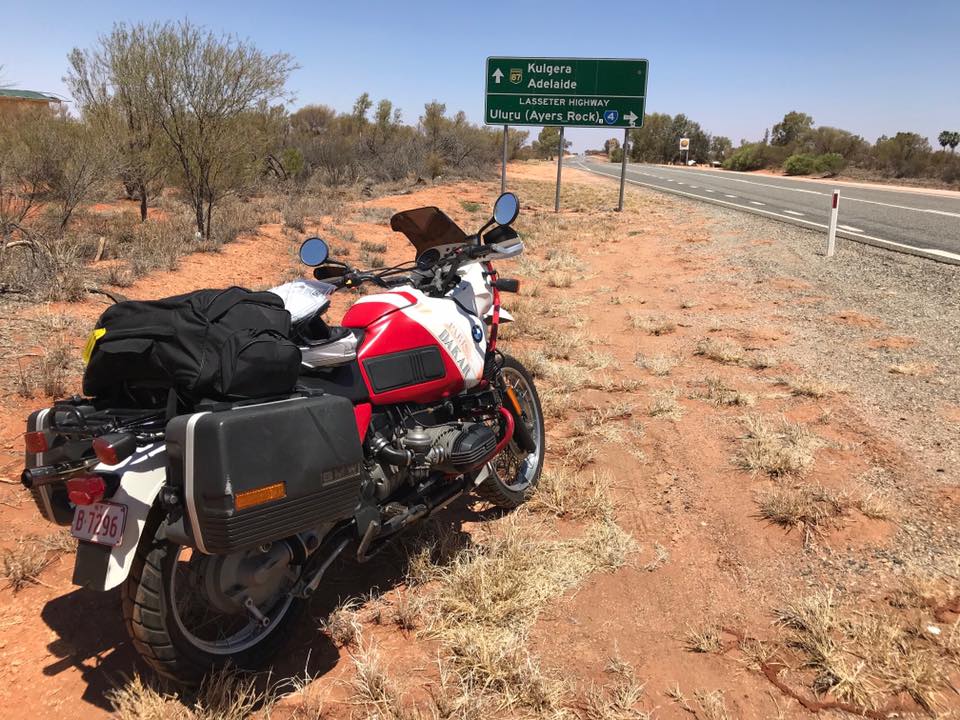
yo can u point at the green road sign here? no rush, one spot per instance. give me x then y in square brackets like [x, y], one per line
[571, 92]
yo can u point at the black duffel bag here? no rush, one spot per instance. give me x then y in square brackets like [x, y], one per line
[210, 344]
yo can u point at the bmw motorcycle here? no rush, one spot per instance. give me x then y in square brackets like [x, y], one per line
[218, 518]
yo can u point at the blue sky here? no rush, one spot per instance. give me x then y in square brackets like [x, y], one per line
[870, 67]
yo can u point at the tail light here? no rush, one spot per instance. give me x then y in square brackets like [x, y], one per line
[86, 489]
[36, 442]
[114, 448]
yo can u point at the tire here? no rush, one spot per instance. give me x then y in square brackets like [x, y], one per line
[495, 488]
[153, 625]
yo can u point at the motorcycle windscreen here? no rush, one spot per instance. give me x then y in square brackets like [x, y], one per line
[427, 227]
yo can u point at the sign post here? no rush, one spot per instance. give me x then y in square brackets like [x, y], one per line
[623, 166]
[832, 232]
[556, 204]
[503, 165]
[685, 150]
[565, 92]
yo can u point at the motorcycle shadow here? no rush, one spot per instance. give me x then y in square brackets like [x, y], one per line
[350, 580]
[92, 641]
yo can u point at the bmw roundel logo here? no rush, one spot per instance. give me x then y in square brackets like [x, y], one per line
[477, 332]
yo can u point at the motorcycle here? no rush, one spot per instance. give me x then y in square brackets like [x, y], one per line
[219, 520]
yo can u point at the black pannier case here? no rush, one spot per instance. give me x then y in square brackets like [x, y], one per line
[227, 344]
[297, 461]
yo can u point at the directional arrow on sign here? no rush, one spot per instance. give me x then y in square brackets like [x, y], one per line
[497, 75]
[631, 118]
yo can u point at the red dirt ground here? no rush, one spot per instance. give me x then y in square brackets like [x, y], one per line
[62, 648]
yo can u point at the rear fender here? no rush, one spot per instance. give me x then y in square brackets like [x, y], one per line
[99, 567]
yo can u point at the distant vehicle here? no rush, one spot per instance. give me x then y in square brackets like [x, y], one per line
[716, 164]
[691, 163]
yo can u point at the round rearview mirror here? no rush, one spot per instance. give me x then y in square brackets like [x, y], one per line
[313, 252]
[506, 209]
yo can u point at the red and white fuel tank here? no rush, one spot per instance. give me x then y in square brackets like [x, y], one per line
[418, 348]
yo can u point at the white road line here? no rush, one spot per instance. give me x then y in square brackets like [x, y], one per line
[794, 212]
[850, 228]
[754, 202]
[730, 196]
[694, 187]
[669, 180]
[845, 198]
[953, 257]
[708, 190]
[680, 183]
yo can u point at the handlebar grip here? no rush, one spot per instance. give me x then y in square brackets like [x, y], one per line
[510, 285]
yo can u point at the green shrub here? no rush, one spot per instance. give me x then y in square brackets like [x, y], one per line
[751, 156]
[807, 164]
[800, 164]
[830, 163]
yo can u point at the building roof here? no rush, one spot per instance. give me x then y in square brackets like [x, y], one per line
[16, 94]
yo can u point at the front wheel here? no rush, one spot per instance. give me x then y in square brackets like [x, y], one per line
[189, 614]
[513, 475]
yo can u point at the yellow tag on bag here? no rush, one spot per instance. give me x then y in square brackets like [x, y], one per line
[92, 343]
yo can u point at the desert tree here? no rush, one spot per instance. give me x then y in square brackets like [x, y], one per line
[949, 138]
[112, 86]
[207, 87]
[720, 147]
[547, 143]
[791, 129]
[49, 164]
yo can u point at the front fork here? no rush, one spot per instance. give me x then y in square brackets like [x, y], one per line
[521, 432]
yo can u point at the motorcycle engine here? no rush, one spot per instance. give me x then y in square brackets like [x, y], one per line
[451, 447]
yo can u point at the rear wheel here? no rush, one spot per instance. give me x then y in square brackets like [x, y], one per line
[513, 475]
[186, 617]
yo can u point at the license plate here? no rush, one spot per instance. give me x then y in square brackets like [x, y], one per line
[100, 523]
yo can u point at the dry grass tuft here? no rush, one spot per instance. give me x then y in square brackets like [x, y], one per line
[723, 351]
[709, 705]
[705, 640]
[810, 508]
[224, 695]
[665, 405]
[565, 494]
[806, 386]
[617, 700]
[23, 563]
[372, 688]
[787, 450]
[559, 279]
[659, 365]
[652, 325]
[720, 394]
[342, 624]
[372, 214]
[488, 596]
[863, 657]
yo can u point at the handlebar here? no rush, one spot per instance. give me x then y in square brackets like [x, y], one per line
[450, 265]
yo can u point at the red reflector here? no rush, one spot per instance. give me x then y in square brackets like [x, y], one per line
[105, 452]
[86, 489]
[36, 442]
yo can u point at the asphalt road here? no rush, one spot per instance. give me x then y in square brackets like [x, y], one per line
[922, 223]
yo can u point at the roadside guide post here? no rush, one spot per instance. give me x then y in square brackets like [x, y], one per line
[503, 165]
[832, 232]
[556, 204]
[565, 92]
[623, 166]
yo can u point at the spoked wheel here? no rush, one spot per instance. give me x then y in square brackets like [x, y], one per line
[514, 473]
[189, 613]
